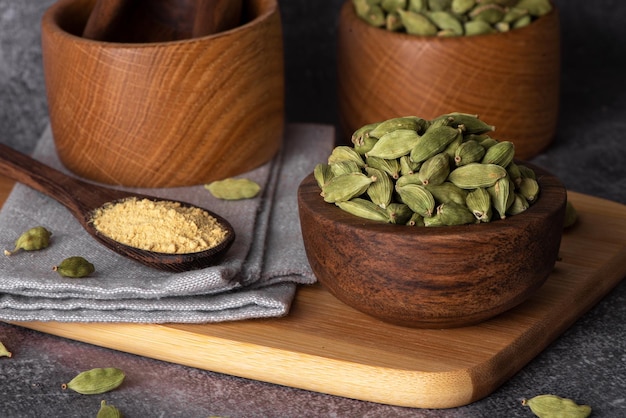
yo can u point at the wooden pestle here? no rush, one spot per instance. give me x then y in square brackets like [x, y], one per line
[139, 21]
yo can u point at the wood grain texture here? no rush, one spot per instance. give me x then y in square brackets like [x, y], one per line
[436, 277]
[160, 20]
[82, 198]
[164, 114]
[325, 346]
[511, 80]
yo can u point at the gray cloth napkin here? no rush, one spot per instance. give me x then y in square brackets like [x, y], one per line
[257, 279]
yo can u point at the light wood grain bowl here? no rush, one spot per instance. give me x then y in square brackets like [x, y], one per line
[164, 114]
[511, 80]
[433, 277]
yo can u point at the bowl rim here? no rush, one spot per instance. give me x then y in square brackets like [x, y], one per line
[51, 17]
[549, 185]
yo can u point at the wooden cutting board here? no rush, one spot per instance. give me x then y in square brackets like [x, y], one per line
[325, 346]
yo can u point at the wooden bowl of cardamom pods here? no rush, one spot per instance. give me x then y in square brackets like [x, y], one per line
[164, 113]
[433, 277]
[510, 77]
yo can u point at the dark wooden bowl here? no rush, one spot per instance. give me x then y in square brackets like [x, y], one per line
[433, 277]
[511, 80]
[164, 114]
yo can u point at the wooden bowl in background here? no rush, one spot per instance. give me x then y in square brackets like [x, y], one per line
[164, 114]
[433, 277]
[511, 80]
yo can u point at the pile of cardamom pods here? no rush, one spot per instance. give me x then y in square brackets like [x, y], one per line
[412, 171]
[450, 17]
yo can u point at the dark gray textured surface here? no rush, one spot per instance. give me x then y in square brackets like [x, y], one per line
[587, 363]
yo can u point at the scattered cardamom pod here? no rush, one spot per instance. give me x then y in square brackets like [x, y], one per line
[34, 239]
[552, 406]
[108, 411]
[571, 215]
[96, 381]
[233, 188]
[74, 267]
[4, 352]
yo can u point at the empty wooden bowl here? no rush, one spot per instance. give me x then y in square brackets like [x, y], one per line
[164, 114]
[511, 80]
[433, 277]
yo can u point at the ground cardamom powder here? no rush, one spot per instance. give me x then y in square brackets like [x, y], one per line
[161, 226]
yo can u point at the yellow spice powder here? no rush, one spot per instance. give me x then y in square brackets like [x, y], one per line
[159, 226]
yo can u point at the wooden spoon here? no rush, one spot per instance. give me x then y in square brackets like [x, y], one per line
[139, 21]
[82, 198]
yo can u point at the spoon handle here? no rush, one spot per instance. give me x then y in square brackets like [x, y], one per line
[78, 196]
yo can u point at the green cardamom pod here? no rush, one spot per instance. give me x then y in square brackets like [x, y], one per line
[451, 148]
[571, 215]
[416, 23]
[394, 144]
[74, 267]
[418, 5]
[474, 175]
[380, 190]
[391, 6]
[454, 214]
[470, 124]
[439, 4]
[487, 142]
[529, 188]
[345, 153]
[391, 167]
[526, 172]
[4, 352]
[34, 239]
[477, 27]
[502, 196]
[513, 14]
[412, 178]
[460, 7]
[345, 187]
[363, 132]
[393, 22]
[399, 213]
[322, 173]
[447, 192]
[435, 170]
[490, 13]
[364, 209]
[434, 140]
[478, 201]
[415, 220]
[514, 173]
[412, 123]
[433, 221]
[520, 204]
[407, 166]
[96, 381]
[501, 154]
[416, 197]
[373, 15]
[535, 7]
[344, 167]
[233, 189]
[469, 151]
[522, 22]
[446, 21]
[108, 411]
[552, 406]
[366, 145]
